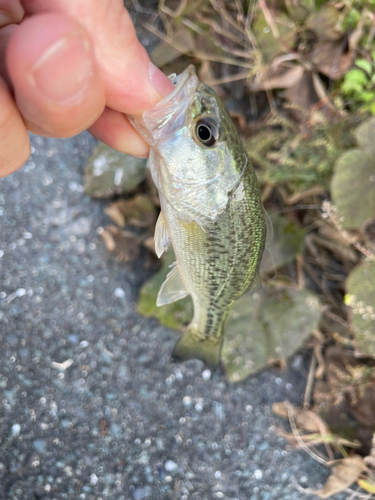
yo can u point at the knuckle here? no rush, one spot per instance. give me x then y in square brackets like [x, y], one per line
[11, 12]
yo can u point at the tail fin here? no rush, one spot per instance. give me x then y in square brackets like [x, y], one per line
[191, 346]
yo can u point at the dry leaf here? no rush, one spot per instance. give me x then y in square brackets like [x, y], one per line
[302, 95]
[138, 211]
[342, 476]
[280, 77]
[115, 214]
[328, 58]
[124, 244]
[149, 243]
[325, 23]
[304, 419]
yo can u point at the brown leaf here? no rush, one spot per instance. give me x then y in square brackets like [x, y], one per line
[328, 58]
[305, 419]
[124, 244]
[355, 379]
[342, 476]
[282, 408]
[138, 211]
[149, 243]
[115, 214]
[302, 95]
[276, 77]
[324, 22]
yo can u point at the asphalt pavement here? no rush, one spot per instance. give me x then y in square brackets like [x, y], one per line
[90, 405]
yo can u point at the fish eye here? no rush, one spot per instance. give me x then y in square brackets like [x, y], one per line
[207, 132]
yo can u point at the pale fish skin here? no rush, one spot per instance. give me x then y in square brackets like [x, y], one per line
[211, 210]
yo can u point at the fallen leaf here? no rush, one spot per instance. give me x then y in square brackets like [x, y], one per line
[149, 243]
[328, 58]
[174, 315]
[124, 244]
[276, 77]
[353, 181]
[304, 419]
[302, 95]
[138, 211]
[265, 325]
[342, 476]
[324, 22]
[110, 172]
[365, 135]
[268, 44]
[360, 298]
[286, 243]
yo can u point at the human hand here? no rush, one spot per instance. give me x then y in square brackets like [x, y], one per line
[71, 65]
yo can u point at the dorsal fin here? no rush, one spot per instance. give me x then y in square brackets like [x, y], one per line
[161, 236]
[172, 289]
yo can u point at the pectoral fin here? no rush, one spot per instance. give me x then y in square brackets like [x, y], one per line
[161, 236]
[172, 289]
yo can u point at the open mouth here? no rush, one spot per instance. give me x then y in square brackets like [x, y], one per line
[168, 116]
[182, 86]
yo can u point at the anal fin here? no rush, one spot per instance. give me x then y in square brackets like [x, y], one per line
[161, 236]
[172, 289]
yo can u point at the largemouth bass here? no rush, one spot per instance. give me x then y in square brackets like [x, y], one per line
[211, 211]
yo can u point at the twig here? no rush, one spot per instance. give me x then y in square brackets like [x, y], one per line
[227, 79]
[315, 278]
[222, 11]
[300, 441]
[301, 280]
[173, 13]
[221, 31]
[198, 54]
[331, 212]
[296, 197]
[309, 383]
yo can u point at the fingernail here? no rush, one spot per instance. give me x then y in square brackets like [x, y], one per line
[159, 81]
[62, 73]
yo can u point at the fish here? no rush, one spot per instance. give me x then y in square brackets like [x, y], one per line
[211, 210]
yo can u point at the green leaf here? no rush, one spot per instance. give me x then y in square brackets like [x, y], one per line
[365, 65]
[365, 136]
[174, 315]
[268, 45]
[109, 172]
[366, 96]
[361, 299]
[265, 325]
[353, 182]
[372, 108]
[355, 80]
[286, 243]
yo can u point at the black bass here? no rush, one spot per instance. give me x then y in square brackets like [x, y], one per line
[211, 211]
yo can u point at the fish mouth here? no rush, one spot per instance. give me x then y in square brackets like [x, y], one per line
[168, 115]
[179, 81]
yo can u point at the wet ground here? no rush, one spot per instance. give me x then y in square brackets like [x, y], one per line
[90, 405]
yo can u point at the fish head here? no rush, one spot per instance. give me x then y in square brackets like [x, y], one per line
[197, 157]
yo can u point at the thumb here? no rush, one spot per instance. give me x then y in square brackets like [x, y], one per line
[132, 84]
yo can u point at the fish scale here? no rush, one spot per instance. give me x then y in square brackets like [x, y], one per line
[211, 211]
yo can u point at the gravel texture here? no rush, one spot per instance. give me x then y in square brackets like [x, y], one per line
[90, 405]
